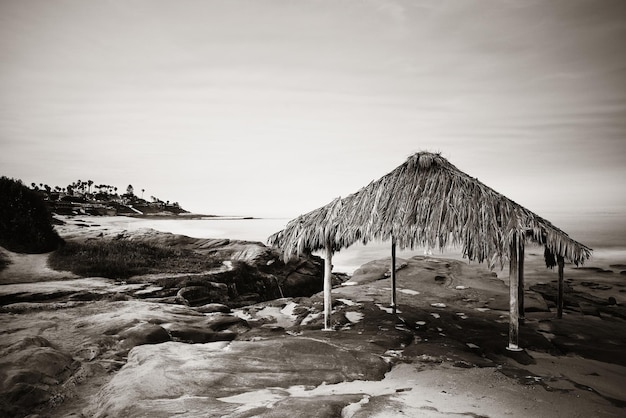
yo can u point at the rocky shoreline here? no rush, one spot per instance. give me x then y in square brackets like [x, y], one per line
[245, 340]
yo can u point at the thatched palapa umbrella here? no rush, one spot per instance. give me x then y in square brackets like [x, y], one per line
[429, 202]
[316, 230]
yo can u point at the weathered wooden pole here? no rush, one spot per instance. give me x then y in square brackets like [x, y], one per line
[559, 299]
[520, 294]
[513, 294]
[328, 268]
[393, 275]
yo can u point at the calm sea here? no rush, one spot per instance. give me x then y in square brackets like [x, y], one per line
[605, 232]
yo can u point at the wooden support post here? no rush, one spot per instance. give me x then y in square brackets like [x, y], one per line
[328, 268]
[393, 275]
[559, 299]
[520, 290]
[513, 295]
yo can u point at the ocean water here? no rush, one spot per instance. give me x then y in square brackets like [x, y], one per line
[605, 232]
[346, 260]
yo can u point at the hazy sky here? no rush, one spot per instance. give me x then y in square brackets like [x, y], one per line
[273, 108]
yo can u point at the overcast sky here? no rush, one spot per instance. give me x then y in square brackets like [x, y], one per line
[273, 108]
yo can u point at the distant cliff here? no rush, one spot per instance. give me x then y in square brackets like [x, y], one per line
[88, 198]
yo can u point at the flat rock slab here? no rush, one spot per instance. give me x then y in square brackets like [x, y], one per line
[61, 289]
[424, 281]
[29, 268]
[375, 270]
[48, 350]
[166, 379]
[92, 354]
[533, 302]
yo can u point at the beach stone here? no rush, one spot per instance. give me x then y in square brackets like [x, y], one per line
[337, 278]
[534, 302]
[198, 295]
[617, 310]
[213, 308]
[226, 322]
[588, 309]
[301, 283]
[252, 254]
[499, 303]
[298, 277]
[197, 335]
[374, 270]
[144, 334]
[463, 364]
[273, 327]
[87, 296]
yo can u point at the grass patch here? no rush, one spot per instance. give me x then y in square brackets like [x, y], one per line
[121, 259]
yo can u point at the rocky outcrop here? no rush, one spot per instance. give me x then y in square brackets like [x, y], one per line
[251, 272]
[258, 269]
[223, 371]
[375, 270]
[49, 349]
[133, 351]
[32, 370]
[248, 273]
[208, 292]
[144, 333]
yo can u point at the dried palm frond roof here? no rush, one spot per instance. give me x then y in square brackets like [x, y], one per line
[314, 231]
[428, 202]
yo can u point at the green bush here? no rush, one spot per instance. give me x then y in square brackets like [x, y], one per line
[121, 259]
[25, 222]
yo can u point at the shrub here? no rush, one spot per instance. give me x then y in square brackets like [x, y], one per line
[4, 261]
[25, 222]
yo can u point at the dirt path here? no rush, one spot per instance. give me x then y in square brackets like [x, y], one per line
[29, 268]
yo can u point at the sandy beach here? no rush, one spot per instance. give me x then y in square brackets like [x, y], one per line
[95, 347]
